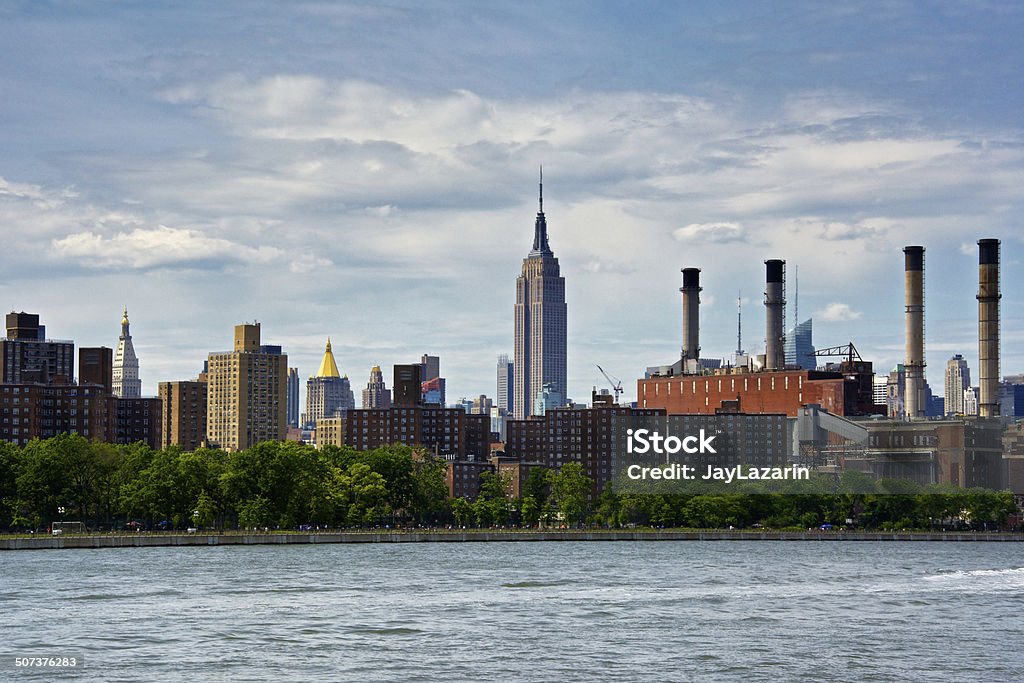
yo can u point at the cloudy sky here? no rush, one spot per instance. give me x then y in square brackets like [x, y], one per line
[367, 171]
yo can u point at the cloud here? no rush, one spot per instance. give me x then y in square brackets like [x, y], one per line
[308, 262]
[838, 312]
[608, 267]
[831, 230]
[710, 233]
[158, 247]
[427, 191]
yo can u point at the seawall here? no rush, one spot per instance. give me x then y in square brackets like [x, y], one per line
[135, 540]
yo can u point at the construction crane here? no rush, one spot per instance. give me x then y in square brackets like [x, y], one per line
[614, 381]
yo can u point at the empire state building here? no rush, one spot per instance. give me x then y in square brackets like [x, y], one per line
[540, 357]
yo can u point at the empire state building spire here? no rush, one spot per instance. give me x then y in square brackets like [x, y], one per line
[540, 228]
[540, 327]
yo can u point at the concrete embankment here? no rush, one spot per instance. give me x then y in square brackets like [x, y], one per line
[139, 540]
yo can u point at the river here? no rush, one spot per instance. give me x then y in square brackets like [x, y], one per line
[566, 611]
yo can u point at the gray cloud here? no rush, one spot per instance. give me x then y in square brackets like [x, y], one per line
[157, 247]
[716, 233]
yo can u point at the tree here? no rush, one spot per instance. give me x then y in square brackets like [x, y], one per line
[205, 511]
[607, 513]
[538, 485]
[462, 510]
[430, 489]
[369, 495]
[530, 511]
[254, 513]
[713, 511]
[569, 489]
[394, 463]
[9, 503]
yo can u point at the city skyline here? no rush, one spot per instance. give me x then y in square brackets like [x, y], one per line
[380, 192]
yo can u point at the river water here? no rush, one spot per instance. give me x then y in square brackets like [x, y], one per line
[556, 611]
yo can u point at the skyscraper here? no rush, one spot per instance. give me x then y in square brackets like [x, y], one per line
[247, 392]
[540, 323]
[432, 387]
[376, 395]
[799, 348]
[327, 393]
[958, 378]
[293, 397]
[126, 365]
[506, 383]
[431, 367]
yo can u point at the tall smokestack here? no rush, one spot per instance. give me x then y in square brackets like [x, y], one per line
[775, 309]
[913, 399]
[691, 317]
[988, 327]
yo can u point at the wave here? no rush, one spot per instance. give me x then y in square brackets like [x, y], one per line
[946, 575]
[535, 584]
[396, 631]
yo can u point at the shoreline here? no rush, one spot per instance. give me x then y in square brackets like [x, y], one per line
[133, 540]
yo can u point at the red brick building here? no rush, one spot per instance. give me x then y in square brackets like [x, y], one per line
[840, 393]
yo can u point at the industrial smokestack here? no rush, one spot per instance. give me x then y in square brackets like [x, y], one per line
[988, 327]
[691, 318]
[775, 309]
[913, 399]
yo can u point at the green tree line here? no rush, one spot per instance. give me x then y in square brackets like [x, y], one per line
[288, 485]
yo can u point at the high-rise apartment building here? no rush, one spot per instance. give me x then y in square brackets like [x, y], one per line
[376, 394]
[28, 356]
[246, 392]
[138, 419]
[183, 413]
[506, 383]
[96, 366]
[328, 393]
[540, 323]
[126, 364]
[447, 432]
[958, 378]
[408, 385]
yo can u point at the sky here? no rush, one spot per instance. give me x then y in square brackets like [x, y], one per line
[368, 172]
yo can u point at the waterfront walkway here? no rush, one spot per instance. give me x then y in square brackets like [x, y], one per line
[137, 540]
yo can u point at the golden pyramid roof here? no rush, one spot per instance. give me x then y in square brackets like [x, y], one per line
[328, 368]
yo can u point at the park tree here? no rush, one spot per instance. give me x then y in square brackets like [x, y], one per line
[430, 489]
[462, 510]
[569, 489]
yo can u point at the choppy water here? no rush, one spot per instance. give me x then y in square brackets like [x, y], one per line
[581, 611]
